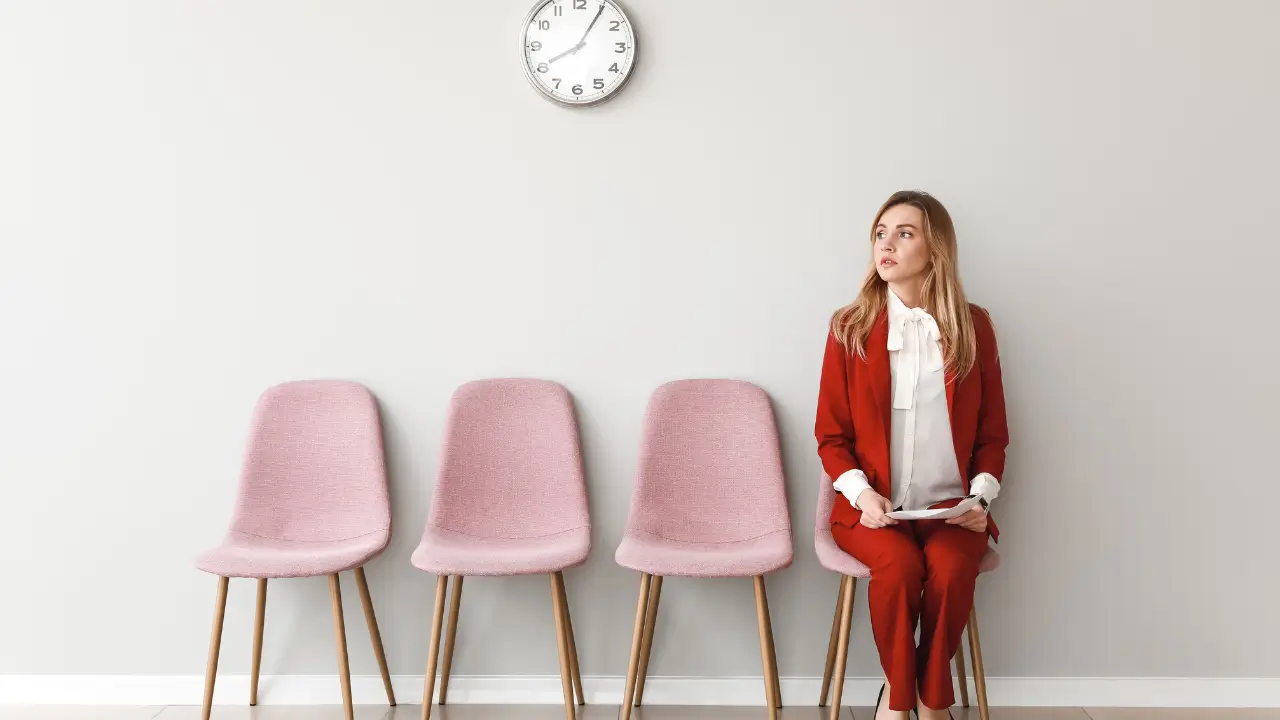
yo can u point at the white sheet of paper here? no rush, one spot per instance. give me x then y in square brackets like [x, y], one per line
[940, 514]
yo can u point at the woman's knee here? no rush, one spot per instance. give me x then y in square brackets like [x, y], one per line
[950, 568]
[902, 566]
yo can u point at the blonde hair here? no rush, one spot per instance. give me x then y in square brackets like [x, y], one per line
[942, 294]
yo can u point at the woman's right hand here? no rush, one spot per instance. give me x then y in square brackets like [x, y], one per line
[875, 508]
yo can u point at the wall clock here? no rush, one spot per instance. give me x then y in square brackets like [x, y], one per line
[578, 52]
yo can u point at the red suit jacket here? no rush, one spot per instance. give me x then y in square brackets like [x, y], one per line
[855, 406]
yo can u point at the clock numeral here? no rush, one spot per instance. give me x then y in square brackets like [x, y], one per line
[598, 84]
[614, 26]
[535, 46]
[579, 4]
[557, 82]
[559, 11]
[614, 68]
[622, 47]
[543, 67]
[577, 89]
[544, 24]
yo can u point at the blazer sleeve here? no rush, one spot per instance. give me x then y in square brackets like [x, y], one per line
[993, 426]
[834, 426]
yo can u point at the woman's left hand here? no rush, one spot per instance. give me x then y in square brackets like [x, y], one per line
[975, 520]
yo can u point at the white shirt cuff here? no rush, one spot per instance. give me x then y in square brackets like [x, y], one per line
[986, 485]
[851, 484]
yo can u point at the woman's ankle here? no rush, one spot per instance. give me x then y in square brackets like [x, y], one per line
[883, 709]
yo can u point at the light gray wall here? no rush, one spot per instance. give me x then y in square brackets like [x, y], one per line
[199, 199]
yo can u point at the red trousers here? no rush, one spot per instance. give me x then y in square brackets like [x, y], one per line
[921, 571]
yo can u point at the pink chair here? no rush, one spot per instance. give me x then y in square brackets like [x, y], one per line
[510, 499]
[709, 501]
[312, 501]
[836, 560]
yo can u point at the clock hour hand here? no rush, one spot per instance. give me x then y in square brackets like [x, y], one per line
[570, 51]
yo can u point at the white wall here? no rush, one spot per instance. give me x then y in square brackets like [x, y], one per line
[199, 199]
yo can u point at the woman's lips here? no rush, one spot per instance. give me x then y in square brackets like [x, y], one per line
[887, 262]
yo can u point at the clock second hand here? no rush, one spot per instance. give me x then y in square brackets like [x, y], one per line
[583, 42]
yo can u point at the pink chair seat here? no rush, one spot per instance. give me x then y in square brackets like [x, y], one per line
[990, 561]
[250, 556]
[836, 560]
[741, 558]
[832, 557]
[445, 552]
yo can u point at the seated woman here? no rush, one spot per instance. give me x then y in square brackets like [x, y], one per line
[911, 416]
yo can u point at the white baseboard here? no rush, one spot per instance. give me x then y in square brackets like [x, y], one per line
[545, 689]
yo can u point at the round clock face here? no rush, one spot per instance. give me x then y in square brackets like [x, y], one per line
[578, 52]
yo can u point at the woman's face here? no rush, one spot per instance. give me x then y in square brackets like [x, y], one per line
[901, 251]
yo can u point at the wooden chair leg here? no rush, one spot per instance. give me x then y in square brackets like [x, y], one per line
[340, 630]
[773, 649]
[433, 652]
[831, 647]
[842, 645]
[573, 645]
[259, 618]
[562, 644]
[455, 603]
[763, 625]
[961, 676]
[979, 674]
[370, 619]
[646, 645]
[642, 606]
[215, 645]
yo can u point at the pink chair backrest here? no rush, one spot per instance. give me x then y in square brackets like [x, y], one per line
[709, 468]
[510, 464]
[314, 468]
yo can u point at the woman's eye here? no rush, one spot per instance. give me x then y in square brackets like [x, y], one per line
[905, 235]
[879, 236]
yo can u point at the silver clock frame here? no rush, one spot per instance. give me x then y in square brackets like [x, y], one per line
[546, 94]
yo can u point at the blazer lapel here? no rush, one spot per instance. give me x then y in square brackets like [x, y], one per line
[881, 380]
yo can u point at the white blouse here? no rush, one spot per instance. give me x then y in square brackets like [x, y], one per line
[922, 456]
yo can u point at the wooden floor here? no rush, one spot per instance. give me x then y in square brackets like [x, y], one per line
[593, 712]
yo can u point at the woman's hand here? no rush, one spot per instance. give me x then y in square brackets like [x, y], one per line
[975, 519]
[874, 507]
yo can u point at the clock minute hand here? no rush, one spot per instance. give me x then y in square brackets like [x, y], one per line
[599, 12]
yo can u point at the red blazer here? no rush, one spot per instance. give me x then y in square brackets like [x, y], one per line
[855, 406]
